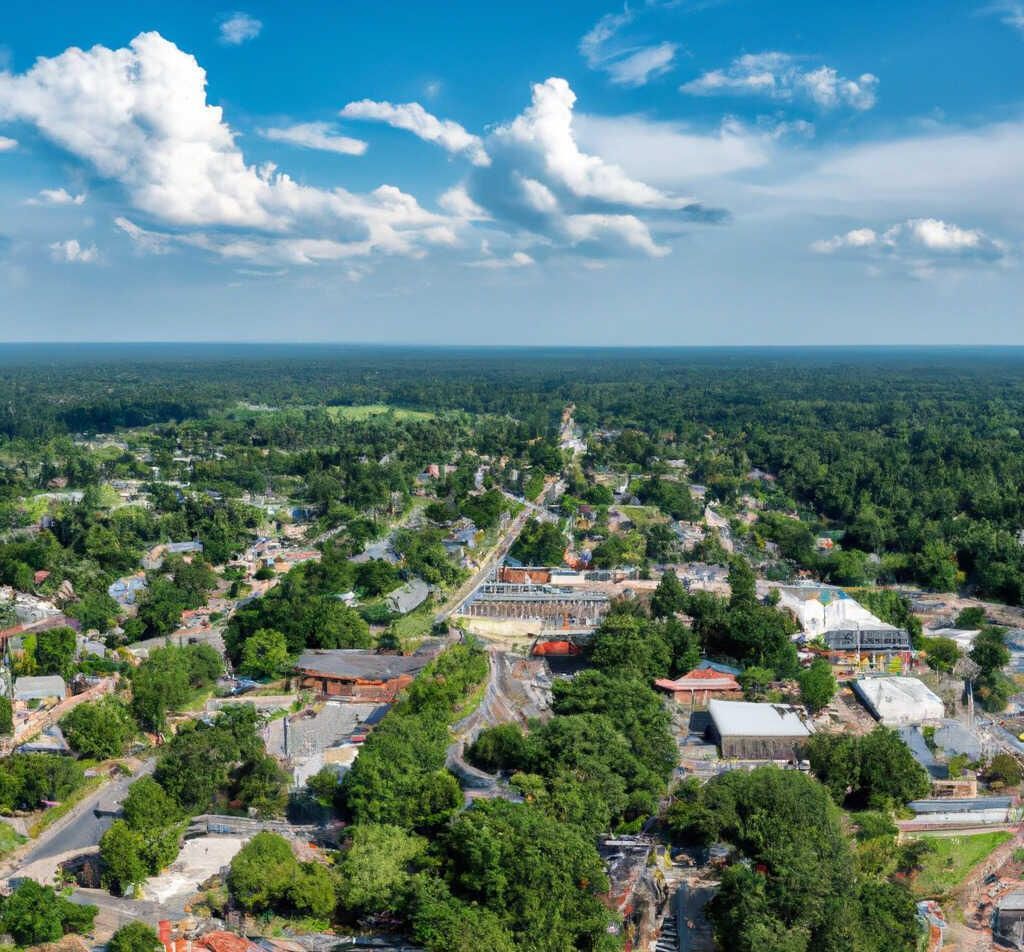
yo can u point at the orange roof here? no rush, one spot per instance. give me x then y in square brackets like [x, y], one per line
[701, 679]
[705, 674]
[226, 942]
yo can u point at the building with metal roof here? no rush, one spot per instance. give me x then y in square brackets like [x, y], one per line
[866, 638]
[752, 731]
[409, 596]
[39, 688]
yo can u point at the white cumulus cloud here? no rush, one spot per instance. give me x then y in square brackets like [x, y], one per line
[542, 181]
[6, 144]
[672, 153]
[919, 245]
[57, 196]
[239, 28]
[412, 117]
[781, 76]
[139, 116]
[72, 251]
[315, 135]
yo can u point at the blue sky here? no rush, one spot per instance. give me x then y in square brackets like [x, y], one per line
[699, 172]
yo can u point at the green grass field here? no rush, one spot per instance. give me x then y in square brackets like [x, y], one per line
[376, 409]
[644, 516]
[9, 839]
[954, 857]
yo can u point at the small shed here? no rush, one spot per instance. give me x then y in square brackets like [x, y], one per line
[749, 731]
[40, 688]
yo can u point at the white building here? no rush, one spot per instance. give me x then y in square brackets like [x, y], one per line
[821, 608]
[897, 702]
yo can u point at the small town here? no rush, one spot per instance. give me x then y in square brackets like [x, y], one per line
[241, 739]
[512, 477]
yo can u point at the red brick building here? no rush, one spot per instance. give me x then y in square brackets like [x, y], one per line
[699, 686]
[358, 675]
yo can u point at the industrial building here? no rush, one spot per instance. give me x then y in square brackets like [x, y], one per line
[747, 731]
[864, 638]
[897, 702]
[841, 622]
[543, 603]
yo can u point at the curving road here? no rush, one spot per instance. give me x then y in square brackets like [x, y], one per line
[81, 828]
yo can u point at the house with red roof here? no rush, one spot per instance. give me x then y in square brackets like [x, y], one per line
[698, 687]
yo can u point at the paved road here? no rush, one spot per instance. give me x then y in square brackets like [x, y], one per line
[694, 930]
[116, 911]
[500, 550]
[81, 828]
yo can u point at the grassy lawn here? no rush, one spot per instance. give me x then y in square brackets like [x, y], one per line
[414, 627]
[644, 516]
[376, 409]
[954, 857]
[9, 839]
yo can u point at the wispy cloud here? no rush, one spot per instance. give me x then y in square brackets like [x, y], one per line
[412, 117]
[315, 135]
[1010, 12]
[626, 64]
[781, 76]
[6, 144]
[238, 28]
[518, 259]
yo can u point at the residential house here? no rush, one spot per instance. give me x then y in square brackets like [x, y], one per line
[697, 688]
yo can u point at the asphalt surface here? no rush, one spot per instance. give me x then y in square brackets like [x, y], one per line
[81, 828]
[694, 930]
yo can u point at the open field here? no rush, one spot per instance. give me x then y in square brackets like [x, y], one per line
[953, 858]
[366, 411]
[644, 516]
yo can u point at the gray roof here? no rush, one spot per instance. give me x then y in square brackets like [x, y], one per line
[409, 596]
[858, 636]
[1013, 902]
[50, 685]
[356, 663]
[748, 719]
[191, 545]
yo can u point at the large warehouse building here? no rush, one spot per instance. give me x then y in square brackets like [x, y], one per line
[897, 702]
[748, 731]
